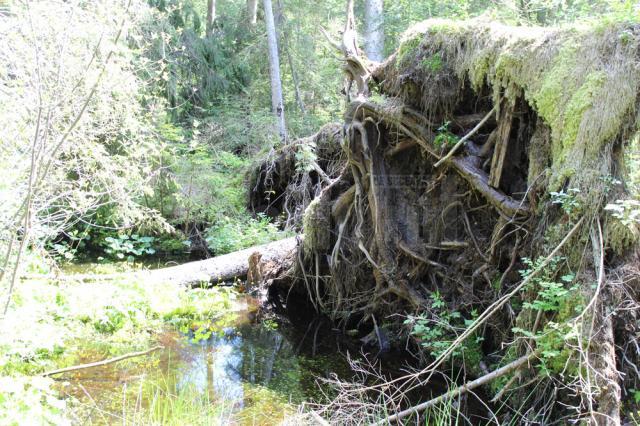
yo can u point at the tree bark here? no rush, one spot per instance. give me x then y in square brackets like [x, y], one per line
[222, 268]
[211, 16]
[286, 40]
[274, 69]
[374, 30]
[252, 12]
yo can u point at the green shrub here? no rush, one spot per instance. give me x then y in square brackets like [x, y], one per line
[128, 246]
[437, 331]
[229, 235]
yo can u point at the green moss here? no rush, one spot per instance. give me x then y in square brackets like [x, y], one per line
[581, 100]
[479, 72]
[432, 63]
[506, 66]
[407, 50]
[315, 222]
[445, 27]
[548, 100]
[621, 237]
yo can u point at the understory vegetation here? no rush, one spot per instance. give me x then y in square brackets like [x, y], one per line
[472, 202]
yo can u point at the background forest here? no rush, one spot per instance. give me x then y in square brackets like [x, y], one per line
[130, 127]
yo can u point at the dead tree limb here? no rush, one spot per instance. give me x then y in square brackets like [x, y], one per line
[502, 371]
[466, 167]
[221, 268]
[103, 362]
[465, 138]
[355, 65]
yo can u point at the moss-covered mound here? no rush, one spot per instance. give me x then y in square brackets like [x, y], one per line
[582, 81]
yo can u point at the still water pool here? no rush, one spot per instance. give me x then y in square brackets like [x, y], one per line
[238, 369]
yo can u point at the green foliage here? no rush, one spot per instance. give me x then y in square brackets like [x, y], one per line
[552, 294]
[33, 399]
[228, 235]
[438, 330]
[627, 212]
[192, 71]
[305, 157]
[568, 201]
[109, 320]
[128, 246]
[558, 338]
[444, 139]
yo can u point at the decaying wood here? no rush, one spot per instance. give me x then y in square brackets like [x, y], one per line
[467, 167]
[465, 138]
[471, 120]
[101, 363]
[221, 268]
[225, 268]
[501, 144]
[355, 65]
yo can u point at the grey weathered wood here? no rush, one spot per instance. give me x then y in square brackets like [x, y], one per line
[252, 12]
[502, 144]
[211, 16]
[374, 30]
[221, 268]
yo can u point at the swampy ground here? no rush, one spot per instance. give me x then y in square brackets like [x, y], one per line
[221, 360]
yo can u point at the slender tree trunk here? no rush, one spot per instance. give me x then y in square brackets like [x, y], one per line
[274, 69]
[286, 38]
[211, 16]
[374, 30]
[252, 12]
[296, 83]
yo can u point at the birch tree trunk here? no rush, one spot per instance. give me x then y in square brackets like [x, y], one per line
[374, 30]
[274, 69]
[286, 41]
[252, 12]
[211, 16]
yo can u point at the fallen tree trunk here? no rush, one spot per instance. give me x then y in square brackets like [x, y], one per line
[218, 269]
[227, 267]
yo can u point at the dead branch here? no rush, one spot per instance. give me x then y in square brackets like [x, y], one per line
[502, 371]
[466, 167]
[101, 363]
[465, 138]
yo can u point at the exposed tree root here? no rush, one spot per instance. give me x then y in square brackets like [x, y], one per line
[409, 217]
[480, 381]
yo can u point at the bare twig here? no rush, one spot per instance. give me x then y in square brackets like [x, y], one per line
[103, 362]
[462, 389]
[465, 138]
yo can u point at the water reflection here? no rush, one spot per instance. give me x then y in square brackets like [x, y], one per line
[214, 367]
[225, 363]
[253, 370]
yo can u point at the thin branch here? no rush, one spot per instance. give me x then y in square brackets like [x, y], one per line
[491, 310]
[103, 362]
[502, 371]
[465, 138]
